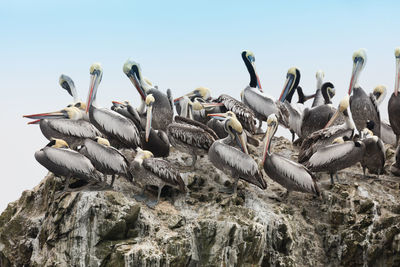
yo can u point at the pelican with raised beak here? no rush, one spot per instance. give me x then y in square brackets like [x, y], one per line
[113, 125]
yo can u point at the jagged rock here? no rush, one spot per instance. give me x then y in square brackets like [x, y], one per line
[356, 223]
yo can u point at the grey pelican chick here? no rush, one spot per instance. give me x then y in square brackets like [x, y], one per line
[155, 172]
[335, 157]
[363, 107]
[62, 161]
[375, 153]
[394, 101]
[263, 105]
[329, 133]
[303, 120]
[291, 175]
[162, 109]
[121, 130]
[232, 161]
[106, 159]
[67, 124]
[157, 141]
[189, 138]
[317, 117]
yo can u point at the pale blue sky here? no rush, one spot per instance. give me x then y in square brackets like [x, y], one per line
[180, 45]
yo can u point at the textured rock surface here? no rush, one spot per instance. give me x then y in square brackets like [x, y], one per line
[355, 223]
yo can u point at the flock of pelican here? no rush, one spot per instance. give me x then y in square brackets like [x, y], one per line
[90, 143]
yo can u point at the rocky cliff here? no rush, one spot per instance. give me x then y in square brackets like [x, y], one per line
[354, 223]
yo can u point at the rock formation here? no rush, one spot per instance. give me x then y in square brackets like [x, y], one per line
[355, 223]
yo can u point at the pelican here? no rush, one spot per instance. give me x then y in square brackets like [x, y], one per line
[303, 120]
[375, 153]
[105, 158]
[394, 101]
[202, 93]
[162, 110]
[62, 161]
[335, 157]
[189, 138]
[243, 113]
[157, 141]
[319, 99]
[387, 134]
[155, 172]
[110, 123]
[232, 161]
[317, 117]
[253, 96]
[197, 110]
[291, 175]
[68, 84]
[325, 136]
[67, 124]
[363, 107]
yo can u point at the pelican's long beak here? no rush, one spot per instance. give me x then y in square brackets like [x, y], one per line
[287, 87]
[267, 141]
[47, 115]
[118, 104]
[34, 122]
[211, 105]
[242, 141]
[258, 79]
[397, 82]
[136, 82]
[357, 67]
[218, 116]
[332, 120]
[149, 117]
[95, 79]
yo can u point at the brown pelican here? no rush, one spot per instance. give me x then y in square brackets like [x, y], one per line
[155, 172]
[253, 96]
[106, 159]
[114, 126]
[394, 101]
[325, 136]
[233, 162]
[363, 107]
[67, 124]
[243, 113]
[319, 99]
[162, 108]
[303, 120]
[62, 161]
[375, 153]
[157, 141]
[387, 134]
[336, 157]
[291, 175]
[189, 138]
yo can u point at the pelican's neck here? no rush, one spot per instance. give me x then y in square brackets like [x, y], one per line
[251, 70]
[397, 81]
[349, 122]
